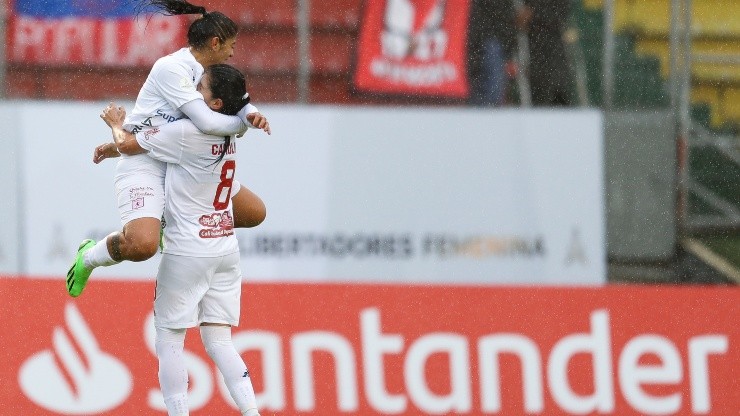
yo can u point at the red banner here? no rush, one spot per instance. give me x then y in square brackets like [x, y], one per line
[415, 47]
[377, 349]
[92, 41]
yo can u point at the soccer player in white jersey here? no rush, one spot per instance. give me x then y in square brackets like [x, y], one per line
[168, 94]
[199, 277]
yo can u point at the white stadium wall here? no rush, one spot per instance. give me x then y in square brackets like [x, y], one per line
[500, 214]
[10, 186]
[430, 195]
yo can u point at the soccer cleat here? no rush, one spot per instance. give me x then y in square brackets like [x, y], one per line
[78, 274]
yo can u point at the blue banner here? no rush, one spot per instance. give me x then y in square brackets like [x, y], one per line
[77, 8]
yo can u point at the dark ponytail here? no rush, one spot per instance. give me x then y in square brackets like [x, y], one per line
[230, 85]
[171, 7]
[201, 31]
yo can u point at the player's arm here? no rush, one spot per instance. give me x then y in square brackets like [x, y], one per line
[124, 141]
[178, 88]
[176, 85]
[166, 143]
[105, 151]
[255, 119]
[211, 122]
[217, 124]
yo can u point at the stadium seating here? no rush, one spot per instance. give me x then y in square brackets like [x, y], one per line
[643, 61]
[266, 51]
[276, 13]
[331, 53]
[638, 83]
[324, 14]
[74, 83]
[336, 14]
[716, 34]
[268, 47]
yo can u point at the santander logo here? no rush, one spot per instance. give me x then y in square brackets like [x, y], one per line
[75, 377]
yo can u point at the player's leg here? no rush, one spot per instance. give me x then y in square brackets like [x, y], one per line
[249, 209]
[181, 283]
[138, 241]
[140, 205]
[219, 311]
[219, 346]
[169, 345]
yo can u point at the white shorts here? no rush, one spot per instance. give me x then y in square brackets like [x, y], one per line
[139, 183]
[194, 290]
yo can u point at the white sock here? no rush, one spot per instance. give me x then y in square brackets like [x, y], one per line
[98, 255]
[173, 374]
[217, 341]
[177, 405]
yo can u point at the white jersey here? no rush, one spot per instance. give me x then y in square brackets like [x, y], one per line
[198, 212]
[170, 84]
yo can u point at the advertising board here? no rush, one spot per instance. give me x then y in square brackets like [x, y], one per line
[319, 349]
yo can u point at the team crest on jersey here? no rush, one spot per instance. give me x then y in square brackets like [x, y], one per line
[218, 224]
[138, 195]
[137, 203]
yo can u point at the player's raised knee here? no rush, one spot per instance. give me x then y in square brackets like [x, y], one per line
[249, 209]
[144, 249]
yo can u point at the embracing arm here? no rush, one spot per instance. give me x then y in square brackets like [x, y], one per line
[211, 122]
[124, 141]
[217, 124]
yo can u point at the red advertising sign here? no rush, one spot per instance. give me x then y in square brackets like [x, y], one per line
[385, 349]
[93, 41]
[415, 47]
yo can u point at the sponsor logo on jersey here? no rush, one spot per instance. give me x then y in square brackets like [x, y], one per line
[219, 224]
[167, 117]
[150, 133]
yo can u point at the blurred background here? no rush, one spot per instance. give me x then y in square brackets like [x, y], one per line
[469, 167]
[663, 72]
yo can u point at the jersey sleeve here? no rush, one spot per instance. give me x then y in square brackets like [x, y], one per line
[211, 122]
[176, 85]
[166, 142]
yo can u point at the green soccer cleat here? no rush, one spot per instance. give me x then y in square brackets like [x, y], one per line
[78, 274]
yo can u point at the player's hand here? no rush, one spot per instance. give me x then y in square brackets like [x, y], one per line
[113, 115]
[105, 151]
[259, 121]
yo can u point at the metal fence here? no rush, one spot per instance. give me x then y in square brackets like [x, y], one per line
[695, 143]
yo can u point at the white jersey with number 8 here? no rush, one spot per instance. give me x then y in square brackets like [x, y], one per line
[198, 213]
